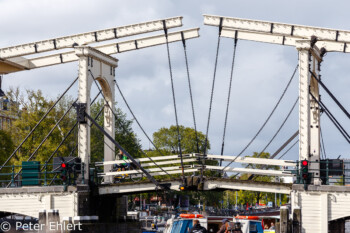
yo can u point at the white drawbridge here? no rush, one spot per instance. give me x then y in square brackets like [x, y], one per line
[320, 204]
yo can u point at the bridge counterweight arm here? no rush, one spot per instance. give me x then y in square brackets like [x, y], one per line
[109, 49]
[278, 33]
[305, 32]
[89, 37]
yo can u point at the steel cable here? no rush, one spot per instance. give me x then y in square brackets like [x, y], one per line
[142, 129]
[115, 116]
[211, 99]
[268, 118]
[228, 98]
[274, 136]
[190, 90]
[289, 149]
[174, 99]
[39, 122]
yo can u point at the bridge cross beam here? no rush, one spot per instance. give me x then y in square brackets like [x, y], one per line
[94, 64]
[310, 58]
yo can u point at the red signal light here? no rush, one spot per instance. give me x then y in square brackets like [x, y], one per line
[304, 163]
[63, 165]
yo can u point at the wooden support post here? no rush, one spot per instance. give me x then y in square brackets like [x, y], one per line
[42, 221]
[284, 219]
[53, 221]
[297, 220]
[278, 227]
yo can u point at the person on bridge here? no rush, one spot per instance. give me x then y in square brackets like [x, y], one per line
[121, 156]
[197, 228]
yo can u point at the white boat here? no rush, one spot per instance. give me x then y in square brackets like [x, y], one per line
[211, 223]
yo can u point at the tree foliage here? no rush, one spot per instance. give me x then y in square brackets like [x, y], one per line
[32, 106]
[6, 146]
[166, 139]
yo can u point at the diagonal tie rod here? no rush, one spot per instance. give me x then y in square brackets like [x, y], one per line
[149, 176]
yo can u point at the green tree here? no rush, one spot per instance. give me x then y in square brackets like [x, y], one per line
[30, 108]
[166, 139]
[6, 148]
[229, 198]
[33, 106]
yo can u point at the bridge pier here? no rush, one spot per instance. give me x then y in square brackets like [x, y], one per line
[80, 204]
[322, 207]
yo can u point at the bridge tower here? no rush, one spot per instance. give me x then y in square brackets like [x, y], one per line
[95, 66]
[310, 58]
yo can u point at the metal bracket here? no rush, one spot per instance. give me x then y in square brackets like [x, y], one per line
[165, 186]
[81, 110]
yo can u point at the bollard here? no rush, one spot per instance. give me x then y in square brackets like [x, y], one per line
[284, 219]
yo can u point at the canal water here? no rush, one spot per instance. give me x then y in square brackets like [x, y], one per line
[347, 227]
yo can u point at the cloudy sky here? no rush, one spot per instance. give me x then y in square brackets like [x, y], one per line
[261, 72]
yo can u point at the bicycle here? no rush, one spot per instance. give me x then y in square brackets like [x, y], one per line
[126, 167]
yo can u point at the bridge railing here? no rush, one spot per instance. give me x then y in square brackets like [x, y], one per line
[334, 172]
[192, 164]
[35, 174]
[123, 170]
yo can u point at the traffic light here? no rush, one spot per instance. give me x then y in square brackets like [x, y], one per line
[73, 163]
[182, 187]
[63, 174]
[305, 170]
